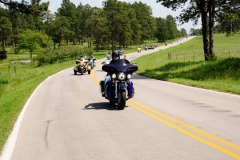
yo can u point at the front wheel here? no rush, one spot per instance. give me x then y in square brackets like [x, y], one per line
[122, 100]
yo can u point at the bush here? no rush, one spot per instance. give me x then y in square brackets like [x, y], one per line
[50, 56]
[3, 55]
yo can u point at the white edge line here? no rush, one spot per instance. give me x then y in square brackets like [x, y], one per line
[11, 141]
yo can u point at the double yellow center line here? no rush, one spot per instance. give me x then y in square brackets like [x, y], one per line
[213, 141]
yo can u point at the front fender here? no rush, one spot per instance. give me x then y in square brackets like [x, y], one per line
[88, 67]
[122, 87]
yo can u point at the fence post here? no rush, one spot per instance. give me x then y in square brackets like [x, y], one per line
[169, 55]
[15, 69]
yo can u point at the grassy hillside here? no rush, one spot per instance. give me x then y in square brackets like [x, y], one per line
[187, 66]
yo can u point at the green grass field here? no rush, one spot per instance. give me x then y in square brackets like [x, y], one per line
[187, 66]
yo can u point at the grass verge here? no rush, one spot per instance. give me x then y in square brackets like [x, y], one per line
[184, 64]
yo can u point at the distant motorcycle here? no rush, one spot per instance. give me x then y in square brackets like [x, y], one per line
[109, 57]
[91, 62]
[82, 66]
[119, 88]
[139, 50]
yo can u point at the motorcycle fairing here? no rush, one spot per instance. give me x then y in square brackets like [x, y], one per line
[119, 65]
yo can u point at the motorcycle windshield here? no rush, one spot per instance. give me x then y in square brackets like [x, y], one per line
[119, 65]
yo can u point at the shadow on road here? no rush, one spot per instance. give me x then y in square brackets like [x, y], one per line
[101, 105]
[78, 74]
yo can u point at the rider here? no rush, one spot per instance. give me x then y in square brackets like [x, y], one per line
[109, 55]
[115, 56]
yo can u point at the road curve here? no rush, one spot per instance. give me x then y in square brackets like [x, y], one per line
[66, 118]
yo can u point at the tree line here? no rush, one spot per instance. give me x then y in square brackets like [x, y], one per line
[115, 24]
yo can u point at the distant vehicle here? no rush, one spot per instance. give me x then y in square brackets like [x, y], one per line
[82, 66]
[121, 52]
[91, 62]
[151, 47]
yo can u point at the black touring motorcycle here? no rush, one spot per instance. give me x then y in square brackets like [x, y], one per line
[119, 87]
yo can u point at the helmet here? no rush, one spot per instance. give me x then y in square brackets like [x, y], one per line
[115, 55]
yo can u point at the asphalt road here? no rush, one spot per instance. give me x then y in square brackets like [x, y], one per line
[67, 119]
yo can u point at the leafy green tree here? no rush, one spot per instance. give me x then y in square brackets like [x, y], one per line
[192, 32]
[162, 32]
[112, 12]
[183, 32]
[5, 30]
[195, 10]
[124, 30]
[172, 27]
[195, 32]
[59, 30]
[229, 24]
[210, 11]
[80, 25]
[5, 27]
[145, 20]
[35, 7]
[68, 10]
[100, 29]
[135, 27]
[88, 13]
[33, 41]
[18, 26]
[48, 18]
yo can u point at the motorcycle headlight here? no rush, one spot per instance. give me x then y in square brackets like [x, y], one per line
[121, 76]
[129, 76]
[114, 75]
